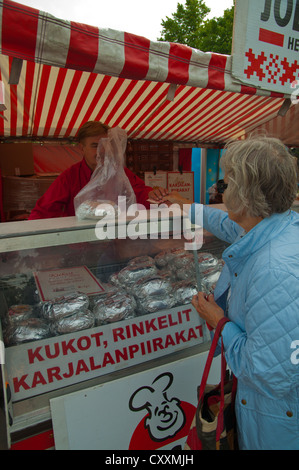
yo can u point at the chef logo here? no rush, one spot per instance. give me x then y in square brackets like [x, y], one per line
[167, 419]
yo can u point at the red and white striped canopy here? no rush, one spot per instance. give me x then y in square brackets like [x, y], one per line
[71, 73]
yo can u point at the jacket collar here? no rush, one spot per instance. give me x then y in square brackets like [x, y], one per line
[256, 238]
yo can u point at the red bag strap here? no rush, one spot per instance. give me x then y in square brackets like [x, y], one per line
[221, 408]
[211, 356]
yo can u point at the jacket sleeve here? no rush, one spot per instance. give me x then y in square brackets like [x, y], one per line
[216, 222]
[262, 354]
[52, 203]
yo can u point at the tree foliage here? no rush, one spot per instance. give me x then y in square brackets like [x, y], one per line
[189, 26]
[217, 33]
[184, 26]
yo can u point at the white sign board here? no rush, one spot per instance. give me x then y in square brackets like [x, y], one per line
[57, 362]
[55, 283]
[152, 410]
[158, 179]
[266, 44]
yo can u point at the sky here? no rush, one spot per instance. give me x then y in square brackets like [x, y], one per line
[132, 16]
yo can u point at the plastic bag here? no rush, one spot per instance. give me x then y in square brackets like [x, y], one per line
[108, 181]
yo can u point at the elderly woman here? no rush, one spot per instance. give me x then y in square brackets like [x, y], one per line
[259, 290]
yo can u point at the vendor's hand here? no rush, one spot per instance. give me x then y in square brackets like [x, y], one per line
[175, 198]
[207, 309]
[158, 194]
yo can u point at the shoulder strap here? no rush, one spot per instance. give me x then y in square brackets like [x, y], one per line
[211, 356]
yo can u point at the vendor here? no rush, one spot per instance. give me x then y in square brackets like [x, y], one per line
[58, 200]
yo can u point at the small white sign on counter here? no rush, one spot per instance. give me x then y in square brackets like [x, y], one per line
[54, 283]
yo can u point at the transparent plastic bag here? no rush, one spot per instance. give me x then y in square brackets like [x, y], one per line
[108, 181]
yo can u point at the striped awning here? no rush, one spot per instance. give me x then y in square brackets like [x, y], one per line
[59, 74]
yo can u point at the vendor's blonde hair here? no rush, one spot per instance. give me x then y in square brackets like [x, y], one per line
[91, 129]
[261, 176]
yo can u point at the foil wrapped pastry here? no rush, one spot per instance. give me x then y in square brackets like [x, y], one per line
[155, 303]
[114, 307]
[140, 260]
[76, 322]
[17, 313]
[31, 329]
[64, 306]
[206, 260]
[133, 273]
[164, 257]
[184, 291]
[209, 279]
[152, 286]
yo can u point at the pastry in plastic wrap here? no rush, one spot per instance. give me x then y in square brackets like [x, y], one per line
[31, 329]
[184, 291]
[96, 209]
[64, 306]
[76, 322]
[133, 273]
[115, 307]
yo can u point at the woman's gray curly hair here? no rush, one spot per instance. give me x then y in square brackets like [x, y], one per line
[261, 176]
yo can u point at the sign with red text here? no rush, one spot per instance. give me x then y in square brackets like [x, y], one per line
[153, 410]
[266, 44]
[54, 283]
[57, 362]
[183, 183]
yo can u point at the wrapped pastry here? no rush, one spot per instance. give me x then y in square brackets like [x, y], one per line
[207, 260]
[64, 306]
[184, 274]
[31, 329]
[141, 260]
[113, 279]
[164, 257]
[184, 265]
[96, 209]
[153, 286]
[131, 274]
[184, 291]
[109, 289]
[184, 260]
[209, 279]
[76, 322]
[17, 313]
[115, 307]
[155, 303]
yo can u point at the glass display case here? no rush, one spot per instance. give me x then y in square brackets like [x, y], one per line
[78, 309]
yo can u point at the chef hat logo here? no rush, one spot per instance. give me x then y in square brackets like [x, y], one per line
[165, 415]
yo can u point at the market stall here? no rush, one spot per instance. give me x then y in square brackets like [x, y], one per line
[60, 370]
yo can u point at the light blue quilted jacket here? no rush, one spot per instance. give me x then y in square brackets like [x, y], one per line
[262, 339]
